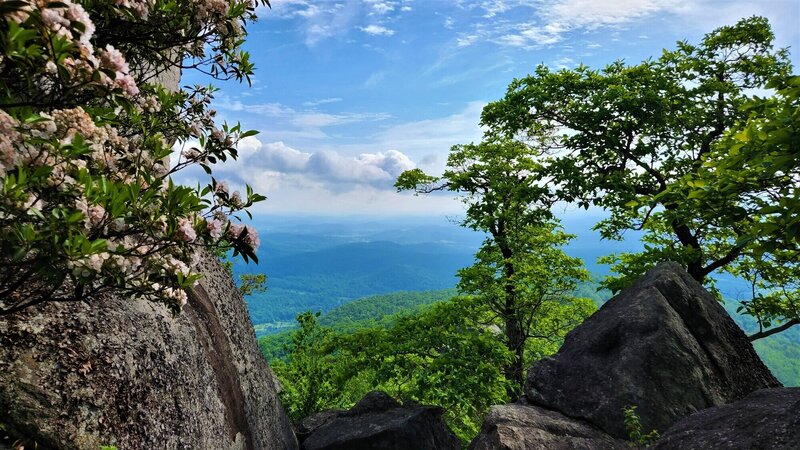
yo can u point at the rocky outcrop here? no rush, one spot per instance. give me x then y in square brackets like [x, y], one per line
[378, 422]
[121, 372]
[664, 345]
[525, 427]
[765, 419]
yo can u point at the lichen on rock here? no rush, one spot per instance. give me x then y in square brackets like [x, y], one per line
[128, 373]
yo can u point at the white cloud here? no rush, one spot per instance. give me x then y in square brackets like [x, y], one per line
[377, 30]
[474, 72]
[322, 20]
[546, 23]
[563, 63]
[530, 35]
[323, 101]
[265, 109]
[596, 13]
[376, 169]
[326, 168]
[380, 7]
[466, 40]
[320, 120]
[279, 157]
[350, 178]
[303, 124]
[374, 79]
[328, 182]
[429, 141]
[284, 9]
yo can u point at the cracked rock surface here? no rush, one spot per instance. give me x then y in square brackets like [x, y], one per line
[523, 426]
[765, 419]
[664, 345]
[125, 372]
[378, 422]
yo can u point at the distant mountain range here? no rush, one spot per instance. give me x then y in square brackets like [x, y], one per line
[322, 264]
[319, 280]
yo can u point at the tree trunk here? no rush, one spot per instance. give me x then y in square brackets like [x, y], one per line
[515, 337]
[515, 342]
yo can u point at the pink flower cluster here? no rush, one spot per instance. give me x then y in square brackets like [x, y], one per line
[185, 231]
[250, 235]
[140, 8]
[112, 59]
[208, 8]
[9, 136]
[139, 244]
[62, 126]
[71, 22]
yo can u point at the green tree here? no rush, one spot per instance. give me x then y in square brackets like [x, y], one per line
[450, 354]
[309, 376]
[520, 271]
[756, 169]
[442, 356]
[252, 283]
[633, 140]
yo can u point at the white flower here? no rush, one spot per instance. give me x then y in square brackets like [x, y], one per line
[222, 188]
[185, 232]
[251, 238]
[236, 199]
[214, 228]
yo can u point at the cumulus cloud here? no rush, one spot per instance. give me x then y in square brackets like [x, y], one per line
[352, 178]
[377, 30]
[377, 169]
[330, 169]
[327, 182]
[380, 7]
[279, 157]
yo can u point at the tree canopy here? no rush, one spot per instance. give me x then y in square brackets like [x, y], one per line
[521, 274]
[652, 144]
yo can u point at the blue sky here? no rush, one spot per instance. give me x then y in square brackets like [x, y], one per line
[348, 93]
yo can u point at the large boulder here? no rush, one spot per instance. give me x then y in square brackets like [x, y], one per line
[664, 345]
[116, 371]
[378, 422]
[765, 419]
[528, 427]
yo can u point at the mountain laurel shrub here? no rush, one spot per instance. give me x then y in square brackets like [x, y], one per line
[87, 202]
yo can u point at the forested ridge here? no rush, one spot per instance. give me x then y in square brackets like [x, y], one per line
[324, 278]
[780, 352]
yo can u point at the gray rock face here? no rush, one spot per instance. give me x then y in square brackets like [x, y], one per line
[664, 345]
[126, 373]
[528, 427]
[378, 422]
[765, 419]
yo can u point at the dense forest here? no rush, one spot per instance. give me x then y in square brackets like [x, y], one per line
[314, 339]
